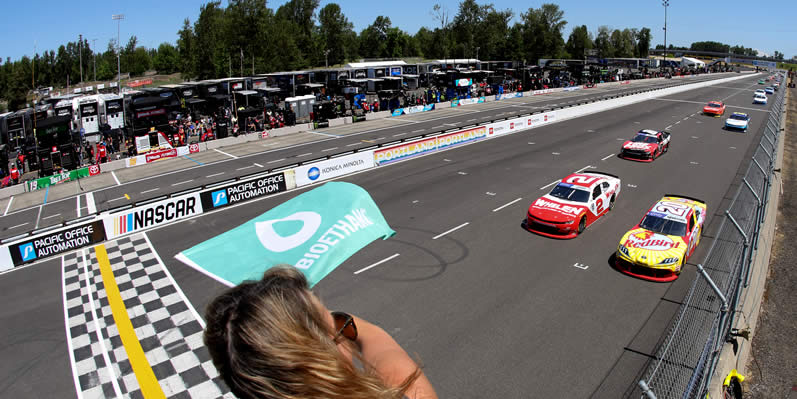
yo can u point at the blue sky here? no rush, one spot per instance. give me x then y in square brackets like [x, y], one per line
[47, 24]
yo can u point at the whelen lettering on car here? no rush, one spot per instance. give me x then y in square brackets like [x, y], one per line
[243, 191]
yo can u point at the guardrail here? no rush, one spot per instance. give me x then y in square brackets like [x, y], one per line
[127, 218]
[686, 359]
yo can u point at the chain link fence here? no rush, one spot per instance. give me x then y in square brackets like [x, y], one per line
[688, 355]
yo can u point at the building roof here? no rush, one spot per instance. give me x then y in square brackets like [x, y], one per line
[375, 64]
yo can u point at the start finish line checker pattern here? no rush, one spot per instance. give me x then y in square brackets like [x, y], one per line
[161, 325]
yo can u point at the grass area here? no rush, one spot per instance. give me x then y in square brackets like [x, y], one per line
[787, 66]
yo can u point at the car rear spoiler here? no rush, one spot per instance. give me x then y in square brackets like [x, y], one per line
[602, 173]
[686, 197]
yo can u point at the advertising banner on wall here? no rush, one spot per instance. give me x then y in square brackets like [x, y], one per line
[467, 101]
[242, 191]
[504, 96]
[415, 148]
[63, 177]
[151, 215]
[57, 242]
[324, 170]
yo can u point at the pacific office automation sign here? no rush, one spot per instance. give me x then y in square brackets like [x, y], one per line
[57, 242]
[425, 146]
[243, 191]
[151, 215]
[335, 167]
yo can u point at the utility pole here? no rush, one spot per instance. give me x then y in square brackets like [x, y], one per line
[118, 18]
[242, 62]
[80, 55]
[253, 63]
[94, 52]
[326, 58]
[665, 3]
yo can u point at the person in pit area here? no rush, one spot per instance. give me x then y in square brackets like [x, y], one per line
[273, 338]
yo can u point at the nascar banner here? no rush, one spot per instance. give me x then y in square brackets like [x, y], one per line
[57, 242]
[315, 232]
[151, 215]
[243, 191]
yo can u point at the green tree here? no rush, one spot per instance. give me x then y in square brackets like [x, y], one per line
[373, 39]
[212, 58]
[336, 33]
[579, 41]
[466, 27]
[493, 35]
[603, 42]
[542, 32]
[167, 59]
[643, 42]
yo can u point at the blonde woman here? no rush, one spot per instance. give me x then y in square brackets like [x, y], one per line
[274, 338]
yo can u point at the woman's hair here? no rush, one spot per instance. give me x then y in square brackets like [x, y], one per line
[269, 339]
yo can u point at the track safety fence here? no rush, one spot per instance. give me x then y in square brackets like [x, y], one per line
[688, 355]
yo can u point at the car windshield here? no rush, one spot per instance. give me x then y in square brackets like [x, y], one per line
[739, 117]
[663, 226]
[643, 138]
[714, 105]
[568, 192]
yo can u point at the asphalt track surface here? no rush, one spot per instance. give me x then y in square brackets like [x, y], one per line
[490, 309]
[58, 204]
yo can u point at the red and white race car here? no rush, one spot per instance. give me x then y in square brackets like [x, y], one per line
[574, 203]
[646, 146]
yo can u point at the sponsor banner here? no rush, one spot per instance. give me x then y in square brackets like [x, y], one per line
[572, 88]
[63, 177]
[153, 112]
[512, 94]
[242, 191]
[356, 118]
[543, 91]
[397, 112]
[263, 135]
[94, 170]
[467, 101]
[139, 82]
[315, 232]
[182, 151]
[319, 171]
[412, 110]
[504, 127]
[464, 82]
[136, 160]
[625, 82]
[412, 149]
[540, 119]
[158, 155]
[194, 148]
[5, 259]
[57, 242]
[589, 86]
[151, 215]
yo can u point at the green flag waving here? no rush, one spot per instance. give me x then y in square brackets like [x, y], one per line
[315, 231]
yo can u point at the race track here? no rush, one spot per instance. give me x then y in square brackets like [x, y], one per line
[490, 309]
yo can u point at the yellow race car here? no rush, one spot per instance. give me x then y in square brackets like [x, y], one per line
[657, 248]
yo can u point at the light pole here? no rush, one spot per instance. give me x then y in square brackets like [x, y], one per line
[94, 52]
[80, 57]
[326, 58]
[118, 18]
[665, 3]
[477, 53]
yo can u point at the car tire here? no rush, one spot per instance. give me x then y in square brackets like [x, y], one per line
[611, 203]
[681, 268]
[582, 224]
[666, 148]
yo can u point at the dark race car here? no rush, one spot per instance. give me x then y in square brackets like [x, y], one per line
[646, 146]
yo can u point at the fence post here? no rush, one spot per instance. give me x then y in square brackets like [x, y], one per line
[745, 254]
[646, 390]
[723, 317]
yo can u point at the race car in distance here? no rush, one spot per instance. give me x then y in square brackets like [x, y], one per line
[769, 90]
[761, 82]
[759, 91]
[760, 99]
[715, 108]
[657, 247]
[737, 120]
[646, 146]
[574, 203]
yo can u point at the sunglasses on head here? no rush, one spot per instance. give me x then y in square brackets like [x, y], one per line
[344, 324]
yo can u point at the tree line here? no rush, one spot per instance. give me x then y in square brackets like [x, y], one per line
[247, 37]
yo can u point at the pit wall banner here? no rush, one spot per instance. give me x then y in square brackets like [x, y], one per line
[54, 243]
[412, 110]
[335, 167]
[151, 215]
[517, 124]
[503, 96]
[543, 91]
[246, 190]
[572, 88]
[5, 259]
[466, 101]
[416, 148]
[64, 177]
[153, 156]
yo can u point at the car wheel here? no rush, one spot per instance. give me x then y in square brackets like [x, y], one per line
[680, 267]
[666, 148]
[611, 203]
[582, 224]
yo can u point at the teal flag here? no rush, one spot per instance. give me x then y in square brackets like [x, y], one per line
[315, 231]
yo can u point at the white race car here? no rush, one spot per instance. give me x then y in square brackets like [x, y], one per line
[759, 91]
[769, 90]
[738, 121]
[760, 99]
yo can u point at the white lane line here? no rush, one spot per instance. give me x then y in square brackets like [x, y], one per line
[620, 139]
[549, 185]
[400, 134]
[19, 225]
[490, 193]
[8, 206]
[183, 182]
[694, 163]
[116, 199]
[555, 153]
[150, 190]
[463, 173]
[607, 157]
[214, 175]
[378, 138]
[668, 127]
[224, 153]
[51, 216]
[90, 204]
[72, 362]
[276, 160]
[452, 230]
[246, 167]
[506, 205]
[733, 148]
[38, 217]
[532, 143]
[418, 131]
[304, 155]
[349, 145]
[686, 118]
[694, 137]
[446, 160]
[376, 264]
[471, 120]
[677, 122]
[78, 206]
[584, 168]
[325, 134]
[258, 165]
[113, 173]
[335, 148]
